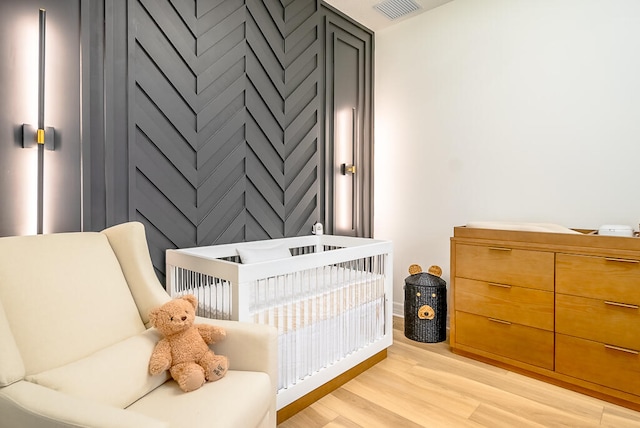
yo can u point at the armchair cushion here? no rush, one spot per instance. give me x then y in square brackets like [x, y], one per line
[117, 375]
[64, 305]
[24, 404]
[240, 399]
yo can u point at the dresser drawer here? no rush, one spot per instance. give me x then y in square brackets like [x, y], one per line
[503, 265]
[525, 306]
[598, 363]
[605, 278]
[599, 320]
[526, 344]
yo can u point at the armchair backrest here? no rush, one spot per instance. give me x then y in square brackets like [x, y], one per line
[65, 296]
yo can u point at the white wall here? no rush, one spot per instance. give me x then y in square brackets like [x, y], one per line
[505, 110]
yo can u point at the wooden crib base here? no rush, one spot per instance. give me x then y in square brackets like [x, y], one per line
[335, 383]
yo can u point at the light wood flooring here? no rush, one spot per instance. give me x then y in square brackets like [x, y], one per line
[425, 385]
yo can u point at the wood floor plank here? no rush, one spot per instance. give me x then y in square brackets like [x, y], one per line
[342, 422]
[410, 390]
[363, 412]
[495, 395]
[619, 417]
[309, 418]
[411, 404]
[490, 416]
[518, 385]
[554, 396]
[426, 385]
[324, 411]
[463, 364]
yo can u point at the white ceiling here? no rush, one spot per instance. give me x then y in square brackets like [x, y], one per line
[363, 11]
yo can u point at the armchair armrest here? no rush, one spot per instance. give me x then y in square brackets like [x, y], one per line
[27, 404]
[249, 347]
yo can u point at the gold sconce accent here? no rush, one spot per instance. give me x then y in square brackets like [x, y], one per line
[347, 169]
[32, 136]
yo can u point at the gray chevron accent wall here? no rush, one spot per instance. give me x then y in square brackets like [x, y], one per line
[224, 120]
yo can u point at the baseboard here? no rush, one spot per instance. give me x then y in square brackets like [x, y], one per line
[398, 309]
[335, 383]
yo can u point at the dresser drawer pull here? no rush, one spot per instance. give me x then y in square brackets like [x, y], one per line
[493, 284]
[617, 348]
[622, 305]
[499, 249]
[613, 259]
[499, 321]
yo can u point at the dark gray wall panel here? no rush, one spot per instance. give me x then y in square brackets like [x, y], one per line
[222, 106]
[225, 118]
[118, 95]
[303, 196]
[348, 102]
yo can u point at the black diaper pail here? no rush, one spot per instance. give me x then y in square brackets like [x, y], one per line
[425, 305]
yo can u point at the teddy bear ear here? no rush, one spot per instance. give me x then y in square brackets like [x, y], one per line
[191, 299]
[153, 316]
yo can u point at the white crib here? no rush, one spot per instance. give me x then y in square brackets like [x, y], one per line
[330, 300]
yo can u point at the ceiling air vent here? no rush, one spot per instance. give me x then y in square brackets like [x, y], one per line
[394, 9]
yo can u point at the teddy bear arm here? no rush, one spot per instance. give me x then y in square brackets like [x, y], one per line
[211, 334]
[160, 358]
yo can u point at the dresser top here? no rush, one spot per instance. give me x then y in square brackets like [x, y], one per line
[585, 241]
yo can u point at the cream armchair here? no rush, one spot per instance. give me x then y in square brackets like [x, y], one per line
[75, 342]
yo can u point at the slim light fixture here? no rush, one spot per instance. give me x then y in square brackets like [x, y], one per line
[43, 136]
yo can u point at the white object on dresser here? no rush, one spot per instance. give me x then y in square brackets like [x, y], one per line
[615, 230]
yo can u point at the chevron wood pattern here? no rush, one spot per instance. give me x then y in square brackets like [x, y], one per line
[225, 113]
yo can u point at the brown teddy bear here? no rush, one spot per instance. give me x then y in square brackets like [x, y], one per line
[184, 350]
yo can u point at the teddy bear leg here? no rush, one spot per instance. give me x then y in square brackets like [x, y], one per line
[190, 376]
[215, 366]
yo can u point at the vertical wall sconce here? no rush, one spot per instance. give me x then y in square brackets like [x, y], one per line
[41, 136]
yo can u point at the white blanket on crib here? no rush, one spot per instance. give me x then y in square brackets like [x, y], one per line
[319, 287]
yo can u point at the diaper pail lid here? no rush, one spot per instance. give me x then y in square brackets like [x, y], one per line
[430, 278]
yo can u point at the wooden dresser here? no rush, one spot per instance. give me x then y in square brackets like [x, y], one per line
[559, 307]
